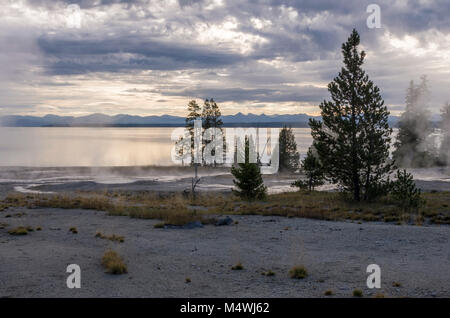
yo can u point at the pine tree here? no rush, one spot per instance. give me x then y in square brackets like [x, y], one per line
[216, 120]
[207, 115]
[212, 119]
[288, 154]
[444, 150]
[405, 192]
[313, 169]
[353, 138]
[193, 114]
[248, 178]
[411, 146]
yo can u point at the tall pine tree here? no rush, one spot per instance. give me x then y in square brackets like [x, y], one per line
[193, 114]
[211, 117]
[353, 137]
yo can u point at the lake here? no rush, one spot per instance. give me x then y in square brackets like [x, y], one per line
[96, 147]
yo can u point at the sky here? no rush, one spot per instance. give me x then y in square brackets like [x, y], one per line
[150, 57]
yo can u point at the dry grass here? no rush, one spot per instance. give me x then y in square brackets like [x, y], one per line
[113, 237]
[396, 284]
[237, 267]
[268, 273]
[114, 263]
[176, 209]
[73, 230]
[21, 230]
[298, 272]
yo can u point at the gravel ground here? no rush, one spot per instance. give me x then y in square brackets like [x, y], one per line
[336, 255]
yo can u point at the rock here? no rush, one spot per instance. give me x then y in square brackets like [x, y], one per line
[190, 225]
[224, 221]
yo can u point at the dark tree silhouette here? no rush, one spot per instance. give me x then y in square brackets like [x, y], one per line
[288, 154]
[248, 178]
[353, 137]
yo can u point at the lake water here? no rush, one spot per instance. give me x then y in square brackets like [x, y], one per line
[32, 157]
[96, 147]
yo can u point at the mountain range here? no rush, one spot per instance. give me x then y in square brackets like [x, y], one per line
[102, 120]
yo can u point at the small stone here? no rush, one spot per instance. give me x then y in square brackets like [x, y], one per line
[224, 221]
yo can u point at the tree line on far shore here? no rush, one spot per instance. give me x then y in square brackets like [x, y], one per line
[351, 142]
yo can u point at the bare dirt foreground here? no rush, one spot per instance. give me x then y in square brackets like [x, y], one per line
[335, 254]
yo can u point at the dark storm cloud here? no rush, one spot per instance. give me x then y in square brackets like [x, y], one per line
[304, 94]
[294, 41]
[85, 56]
[237, 50]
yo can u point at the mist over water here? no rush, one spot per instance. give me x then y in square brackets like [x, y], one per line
[109, 155]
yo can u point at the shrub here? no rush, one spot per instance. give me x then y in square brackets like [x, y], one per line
[19, 231]
[237, 267]
[313, 170]
[302, 185]
[298, 272]
[357, 293]
[268, 273]
[247, 177]
[73, 230]
[328, 293]
[405, 191]
[114, 263]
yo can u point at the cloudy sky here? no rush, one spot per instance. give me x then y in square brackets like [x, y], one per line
[151, 57]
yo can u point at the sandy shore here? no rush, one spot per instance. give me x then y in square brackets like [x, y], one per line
[336, 255]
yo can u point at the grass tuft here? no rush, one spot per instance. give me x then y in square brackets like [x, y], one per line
[237, 267]
[396, 284]
[113, 237]
[268, 273]
[19, 231]
[328, 293]
[114, 263]
[298, 272]
[357, 293]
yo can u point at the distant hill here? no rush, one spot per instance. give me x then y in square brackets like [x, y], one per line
[102, 120]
